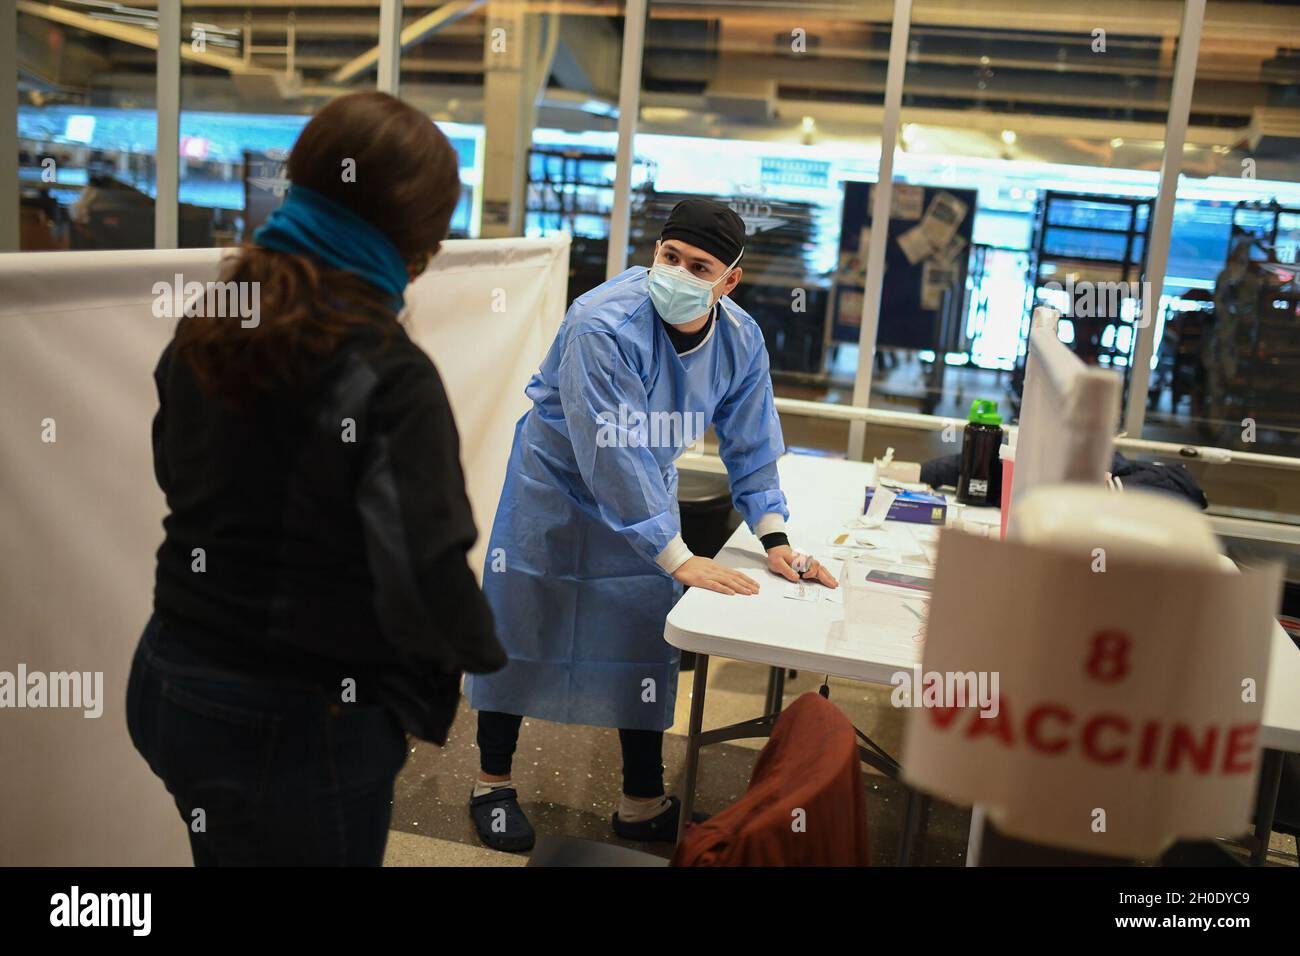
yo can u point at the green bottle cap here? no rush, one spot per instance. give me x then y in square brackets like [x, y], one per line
[985, 412]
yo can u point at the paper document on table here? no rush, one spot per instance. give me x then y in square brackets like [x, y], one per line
[882, 624]
[893, 542]
[878, 510]
[916, 544]
[802, 590]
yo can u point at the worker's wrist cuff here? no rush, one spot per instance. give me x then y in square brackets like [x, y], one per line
[674, 555]
[776, 539]
[770, 523]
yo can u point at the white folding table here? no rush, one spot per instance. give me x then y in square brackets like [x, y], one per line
[769, 628]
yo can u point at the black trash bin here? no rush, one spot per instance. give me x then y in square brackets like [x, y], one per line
[708, 519]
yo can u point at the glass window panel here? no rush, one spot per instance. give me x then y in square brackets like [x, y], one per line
[442, 73]
[86, 125]
[1048, 133]
[570, 182]
[1226, 371]
[773, 109]
[251, 76]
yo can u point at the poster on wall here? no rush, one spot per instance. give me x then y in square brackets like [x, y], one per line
[926, 252]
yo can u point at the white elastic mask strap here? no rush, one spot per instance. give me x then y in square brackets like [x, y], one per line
[726, 272]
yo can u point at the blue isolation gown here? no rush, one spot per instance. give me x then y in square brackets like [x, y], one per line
[590, 499]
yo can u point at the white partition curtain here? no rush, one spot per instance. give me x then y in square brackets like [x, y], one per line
[82, 514]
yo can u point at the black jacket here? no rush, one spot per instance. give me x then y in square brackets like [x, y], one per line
[323, 533]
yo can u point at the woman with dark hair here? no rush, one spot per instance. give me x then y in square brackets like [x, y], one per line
[313, 603]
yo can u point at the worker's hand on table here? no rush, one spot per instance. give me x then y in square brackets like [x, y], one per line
[781, 560]
[706, 573]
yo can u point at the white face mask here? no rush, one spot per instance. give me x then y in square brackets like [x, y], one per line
[680, 297]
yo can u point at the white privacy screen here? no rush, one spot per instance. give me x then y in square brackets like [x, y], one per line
[81, 516]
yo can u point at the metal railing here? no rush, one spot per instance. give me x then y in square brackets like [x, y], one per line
[914, 421]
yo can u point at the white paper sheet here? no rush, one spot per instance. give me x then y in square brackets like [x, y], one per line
[915, 245]
[881, 501]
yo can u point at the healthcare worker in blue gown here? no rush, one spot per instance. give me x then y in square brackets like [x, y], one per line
[586, 556]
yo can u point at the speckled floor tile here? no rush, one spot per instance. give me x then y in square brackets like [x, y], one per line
[409, 849]
[569, 777]
[736, 691]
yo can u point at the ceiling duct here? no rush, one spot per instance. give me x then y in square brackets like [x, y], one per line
[1274, 132]
[741, 98]
[266, 86]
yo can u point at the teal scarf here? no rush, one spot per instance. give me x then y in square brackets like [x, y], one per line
[309, 224]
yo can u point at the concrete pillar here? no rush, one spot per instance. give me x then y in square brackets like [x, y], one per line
[518, 48]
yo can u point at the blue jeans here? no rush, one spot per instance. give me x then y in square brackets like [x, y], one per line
[265, 771]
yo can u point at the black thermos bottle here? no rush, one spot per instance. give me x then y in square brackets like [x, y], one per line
[980, 481]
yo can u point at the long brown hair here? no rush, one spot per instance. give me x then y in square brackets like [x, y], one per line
[405, 182]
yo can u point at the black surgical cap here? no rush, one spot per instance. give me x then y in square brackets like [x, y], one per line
[710, 225]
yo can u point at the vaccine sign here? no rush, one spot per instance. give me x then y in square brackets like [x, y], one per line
[1129, 702]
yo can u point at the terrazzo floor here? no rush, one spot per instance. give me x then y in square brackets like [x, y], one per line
[568, 776]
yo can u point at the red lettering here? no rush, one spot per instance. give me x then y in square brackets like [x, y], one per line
[1092, 730]
[999, 725]
[1036, 716]
[1182, 742]
[1150, 742]
[1239, 749]
[1108, 661]
[943, 716]
[1110, 738]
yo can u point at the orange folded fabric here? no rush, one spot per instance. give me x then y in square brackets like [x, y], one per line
[806, 804]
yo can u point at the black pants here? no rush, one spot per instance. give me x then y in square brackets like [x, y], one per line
[643, 752]
[264, 771]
